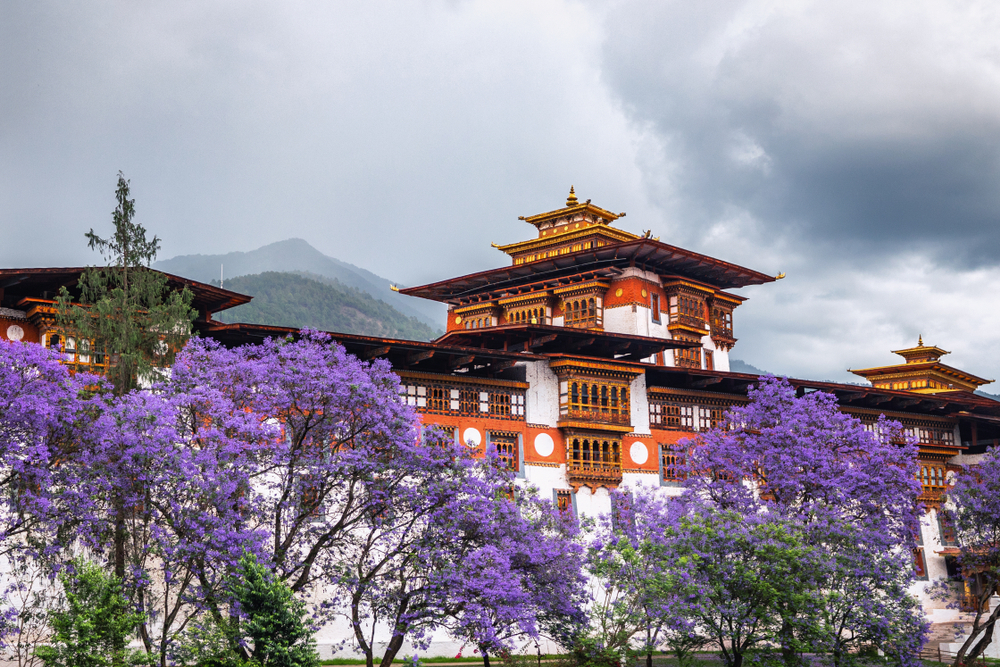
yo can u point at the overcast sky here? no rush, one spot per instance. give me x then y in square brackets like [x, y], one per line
[853, 145]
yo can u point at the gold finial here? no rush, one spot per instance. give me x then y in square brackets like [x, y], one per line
[780, 276]
[920, 340]
[393, 288]
[571, 200]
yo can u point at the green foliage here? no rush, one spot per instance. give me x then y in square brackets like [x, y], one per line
[593, 652]
[288, 299]
[206, 644]
[273, 624]
[269, 629]
[93, 625]
[129, 317]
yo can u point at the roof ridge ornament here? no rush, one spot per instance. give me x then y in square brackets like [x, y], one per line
[920, 340]
[571, 200]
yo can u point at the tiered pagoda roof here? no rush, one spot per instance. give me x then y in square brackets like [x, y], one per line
[603, 251]
[923, 372]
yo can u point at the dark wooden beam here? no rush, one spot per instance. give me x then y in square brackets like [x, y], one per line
[586, 342]
[541, 341]
[417, 357]
[376, 352]
[704, 382]
[851, 395]
[502, 364]
[456, 362]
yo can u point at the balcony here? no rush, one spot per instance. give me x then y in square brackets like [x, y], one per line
[688, 321]
[931, 496]
[593, 474]
[611, 421]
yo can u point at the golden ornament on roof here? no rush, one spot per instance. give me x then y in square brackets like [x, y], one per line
[571, 200]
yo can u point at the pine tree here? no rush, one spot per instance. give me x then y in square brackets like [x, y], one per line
[127, 314]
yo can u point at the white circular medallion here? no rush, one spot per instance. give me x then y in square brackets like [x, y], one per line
[15, 332]
[638, 452]
[472, 437]
[543, 444]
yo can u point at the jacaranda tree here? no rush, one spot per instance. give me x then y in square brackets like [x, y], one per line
[975, 496]
[45, 413]
[846, 490]
[521, 577]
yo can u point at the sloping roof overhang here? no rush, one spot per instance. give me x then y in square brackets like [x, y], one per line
[428, 357]
[546, 339]
[34, 283]
[951, 404]
[646, 253]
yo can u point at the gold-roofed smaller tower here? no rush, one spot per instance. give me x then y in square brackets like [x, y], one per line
[574, 227]
[922, 372]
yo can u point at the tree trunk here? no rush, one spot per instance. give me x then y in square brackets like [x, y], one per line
[976, 647]
[486, 658]
[649, 659]
[119, 548]
[787, 636]
[392, 649]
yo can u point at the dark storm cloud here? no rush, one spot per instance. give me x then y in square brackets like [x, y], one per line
[844, 124]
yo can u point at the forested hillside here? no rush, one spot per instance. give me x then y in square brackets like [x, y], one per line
[297, 256]
[288, 299]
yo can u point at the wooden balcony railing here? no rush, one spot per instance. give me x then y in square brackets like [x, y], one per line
[597, 416]
[593, 474]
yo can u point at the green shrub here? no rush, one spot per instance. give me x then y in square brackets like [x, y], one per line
[94, 622]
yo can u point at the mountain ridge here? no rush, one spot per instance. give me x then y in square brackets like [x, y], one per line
[293, 300]
[296, 255]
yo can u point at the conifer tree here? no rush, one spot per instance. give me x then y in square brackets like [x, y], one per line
[127, 311]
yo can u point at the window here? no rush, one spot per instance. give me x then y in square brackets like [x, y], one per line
[687, 357]
[654, 307]
[564, 501]
[722, 322]
[581, 312]
[599, 401]
[507, 449]
[440, 398]
[709, 418]
[919, 564]
[594, 454]
[947, 530]
[709, 361]
[672, 465]
[669, 415]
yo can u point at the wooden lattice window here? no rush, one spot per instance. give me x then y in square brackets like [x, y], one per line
[507, 449]
[722, 322]
[600, 401]
[595, 453]
[672, 464]
[709, 417]
[932, 476]
[689, 357]
[685, 309]
[500, 403]
[564, 500]
[580, 312]
[946, 528]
